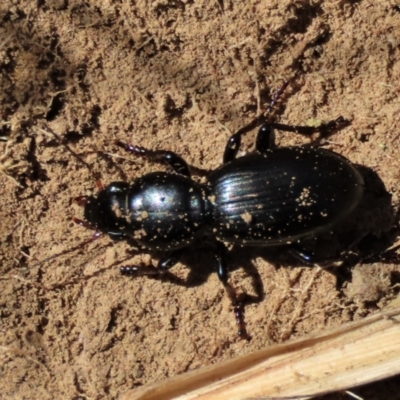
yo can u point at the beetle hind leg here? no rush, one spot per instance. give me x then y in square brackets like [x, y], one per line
[237, 302]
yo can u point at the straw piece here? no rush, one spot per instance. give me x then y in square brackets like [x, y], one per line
[337, 359]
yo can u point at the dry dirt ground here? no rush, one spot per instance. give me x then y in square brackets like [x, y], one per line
[178, 75]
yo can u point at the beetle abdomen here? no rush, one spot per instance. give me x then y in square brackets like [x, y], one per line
[283, 195]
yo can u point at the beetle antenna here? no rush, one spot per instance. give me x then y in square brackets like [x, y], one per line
[276, 96]
[95, 236]
[261, 119]
[64, 143]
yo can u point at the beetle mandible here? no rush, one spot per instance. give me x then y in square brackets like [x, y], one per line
[271, 197]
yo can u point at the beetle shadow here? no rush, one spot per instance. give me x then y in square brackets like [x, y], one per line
[201, 264]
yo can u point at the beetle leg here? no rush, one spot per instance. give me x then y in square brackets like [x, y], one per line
[324, 129]
[309, 259]
[177, 163]
[232, 147]
[265, 139]
[302, 255]
[238, 306]
[164, 265]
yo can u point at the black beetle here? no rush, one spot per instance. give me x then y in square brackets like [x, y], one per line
[272, 197]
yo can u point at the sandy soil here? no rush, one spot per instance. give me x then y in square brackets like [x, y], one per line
[176, 75]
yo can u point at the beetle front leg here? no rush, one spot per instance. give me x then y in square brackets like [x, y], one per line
[163, 266]
[238, 305]
[177, 163]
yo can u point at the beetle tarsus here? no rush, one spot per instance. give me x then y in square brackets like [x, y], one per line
[163, 266]
[237, 304]
[140, 270]
[238, 309]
